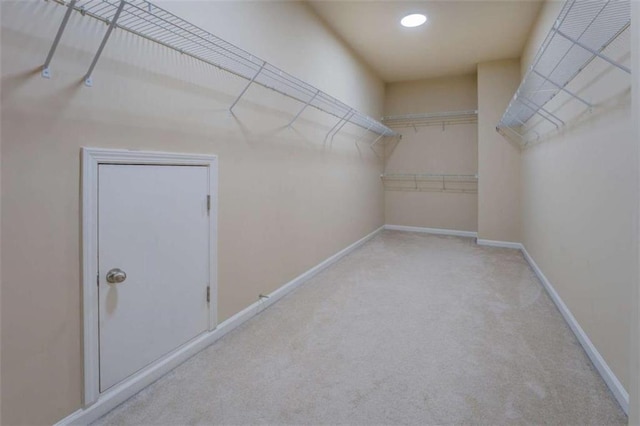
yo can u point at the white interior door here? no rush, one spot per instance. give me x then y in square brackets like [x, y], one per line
[153, 225]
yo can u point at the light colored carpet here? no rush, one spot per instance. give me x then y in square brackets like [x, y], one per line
[409, 329]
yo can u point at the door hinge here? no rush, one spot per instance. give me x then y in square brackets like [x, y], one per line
[98, 279]
[208, 294]
[208, 203]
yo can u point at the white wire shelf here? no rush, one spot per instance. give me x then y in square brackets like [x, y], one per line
[579, 35]
[426, 119]
[146, 20]
[430, 182]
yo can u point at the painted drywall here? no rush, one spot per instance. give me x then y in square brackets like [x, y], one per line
[431, 95]
[0, 240]
[499, 209]
[288, 198]
[579, 201]
[432, 149]
[634, 392]
[548, 14]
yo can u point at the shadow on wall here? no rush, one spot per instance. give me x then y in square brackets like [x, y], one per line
[162, 72]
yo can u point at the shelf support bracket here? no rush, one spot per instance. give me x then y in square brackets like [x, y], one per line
[592, 51]
[87, 78]
[539, 108]
[365, 133]
[337, 124]
[521, 122]
[376, 141]
[247, 86]
[564, 89]
[521, 136]
[304, 107]
[342, 125]
[46, 73]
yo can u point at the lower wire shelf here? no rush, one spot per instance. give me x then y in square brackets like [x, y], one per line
[430, 182]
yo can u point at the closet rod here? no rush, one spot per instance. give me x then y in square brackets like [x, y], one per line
[429, 182]
[411, 176]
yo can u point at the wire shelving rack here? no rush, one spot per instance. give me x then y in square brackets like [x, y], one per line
[151, 22]
[579, 35]
[430, 182]
[432, 118]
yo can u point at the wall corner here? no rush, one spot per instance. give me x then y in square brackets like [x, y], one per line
[634, 396]
[499, 162]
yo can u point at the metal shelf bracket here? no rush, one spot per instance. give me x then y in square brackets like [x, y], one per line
[315, 95]
[537, 108]
[376, 141]
[365, 133]
[155, 24]
[582, 32]
[564, 89]
[342, 125]
[343, 118]
[88, 81]
[46, 72]
[593, 51]
[247, 86]
[522, 136]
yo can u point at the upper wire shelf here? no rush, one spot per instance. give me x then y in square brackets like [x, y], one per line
[425, 119]
[147, 20]
[580, 34]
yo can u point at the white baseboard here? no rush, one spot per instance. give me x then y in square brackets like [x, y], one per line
[120, 393]
[619, 392]
[437, 231]
[503, 244]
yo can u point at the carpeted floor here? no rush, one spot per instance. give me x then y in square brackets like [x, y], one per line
[408, 329]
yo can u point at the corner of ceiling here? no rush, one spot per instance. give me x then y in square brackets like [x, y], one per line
[310, 5]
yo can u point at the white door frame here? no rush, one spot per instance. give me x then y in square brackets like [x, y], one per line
[91, 159]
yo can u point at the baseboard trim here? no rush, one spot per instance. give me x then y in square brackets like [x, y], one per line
[503, 244]
[120, 393]
[117, 395]
[619, 392]
[437, 231]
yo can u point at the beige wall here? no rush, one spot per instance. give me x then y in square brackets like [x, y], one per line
[287, 201]
[430, 149]
[315, 54]
[499, 211]
[432, 95]
[579, 197]
[0, 239]
[634, 392]
[548, 14]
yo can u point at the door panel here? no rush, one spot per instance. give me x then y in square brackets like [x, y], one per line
[153, 225]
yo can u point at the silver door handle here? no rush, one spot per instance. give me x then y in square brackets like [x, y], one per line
[116, 276]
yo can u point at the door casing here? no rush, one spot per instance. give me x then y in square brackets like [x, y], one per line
[91, 159]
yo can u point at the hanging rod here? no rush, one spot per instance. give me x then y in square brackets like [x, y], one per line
[149, 21]
[429, 182]
[580, 34]
[448, 117]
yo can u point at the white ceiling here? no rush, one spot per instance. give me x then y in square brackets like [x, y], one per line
[457, 36]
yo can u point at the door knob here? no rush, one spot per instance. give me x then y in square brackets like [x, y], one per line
[116, 276]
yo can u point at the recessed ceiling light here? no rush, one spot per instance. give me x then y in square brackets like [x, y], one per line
[414, 20]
